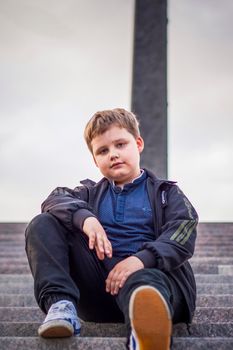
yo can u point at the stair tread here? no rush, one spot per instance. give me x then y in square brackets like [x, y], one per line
[212, 326]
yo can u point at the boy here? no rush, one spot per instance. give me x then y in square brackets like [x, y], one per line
[117, 250]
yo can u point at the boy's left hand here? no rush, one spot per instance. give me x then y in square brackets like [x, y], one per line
[121, 271]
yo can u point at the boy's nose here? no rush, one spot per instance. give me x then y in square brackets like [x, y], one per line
[114, 156]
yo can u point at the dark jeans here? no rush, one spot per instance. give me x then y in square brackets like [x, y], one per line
[64, 267]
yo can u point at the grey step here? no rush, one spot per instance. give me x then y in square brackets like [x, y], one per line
[18, 254]
[216, 300]
[203, 228]
[209, 236]
[11, 237]
[205, 239]
[200, 260]
[88, 329]
[205, 278]
[12, 280]
[204, 300]
[225, 269]
[215, 227]
[208, 329]
[211, 241]
[12, 227]
[195, 260]
[203, 343]
[198, 268]
[213, 260]
[20, 268]
[36, 343]
[18, 245]
[86, 343]
[202, 288]
[217, 288]
[11, 300]
[13, 260]
[211, 268]
[34, 314]
[220, 253]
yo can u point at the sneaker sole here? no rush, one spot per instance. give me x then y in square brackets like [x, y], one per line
[150, 318]
[56, 329]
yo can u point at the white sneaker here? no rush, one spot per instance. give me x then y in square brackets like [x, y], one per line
[61, 321]
[150, 320]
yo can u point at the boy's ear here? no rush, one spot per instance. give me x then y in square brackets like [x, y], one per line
[140, 143]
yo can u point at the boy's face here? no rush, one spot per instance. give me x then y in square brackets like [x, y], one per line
[117, 154]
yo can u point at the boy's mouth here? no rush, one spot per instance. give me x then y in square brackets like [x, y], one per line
[116, 164]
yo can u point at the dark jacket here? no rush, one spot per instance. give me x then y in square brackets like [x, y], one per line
[175, 222]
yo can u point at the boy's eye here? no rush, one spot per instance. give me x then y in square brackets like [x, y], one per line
[103, 151]
[120, 144]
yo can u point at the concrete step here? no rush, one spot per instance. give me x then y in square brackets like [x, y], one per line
[10, 300]
[13, 269]
[198, 268]
[194, 260]
[217, 288]
[202, 288]
[34, 314]
[212, 260]
[216, 300]
[12, 237]
[12, 227]
[212, 269]
[13, 260]
[212, 326]
[13, 245]
[26, 279]
[11, 278]
[208, 240]
[10, 253]
[29, 329]
[217, 253]
[107, 343]
[205, 278]
[204, 300]
[213, 228]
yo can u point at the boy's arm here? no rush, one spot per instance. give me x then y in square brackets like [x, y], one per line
[68, 206]
[176, 242]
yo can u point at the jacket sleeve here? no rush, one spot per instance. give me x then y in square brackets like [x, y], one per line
[70, 207]
[176, 242]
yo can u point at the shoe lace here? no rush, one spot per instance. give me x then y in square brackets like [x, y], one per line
[63, 308]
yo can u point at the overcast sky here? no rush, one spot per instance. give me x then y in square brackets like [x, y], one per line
[62, 60]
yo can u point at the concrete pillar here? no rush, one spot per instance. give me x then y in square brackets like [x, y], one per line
[149, 87]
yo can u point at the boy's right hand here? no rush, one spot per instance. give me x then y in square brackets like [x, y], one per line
[97, 237]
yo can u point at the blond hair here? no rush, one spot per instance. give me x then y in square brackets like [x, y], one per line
[101, 121]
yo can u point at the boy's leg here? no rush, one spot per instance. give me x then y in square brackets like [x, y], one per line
[90, 274]
[149, 303]
[48, 255]
[64, 268]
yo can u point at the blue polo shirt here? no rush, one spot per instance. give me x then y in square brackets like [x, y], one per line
[126, 216]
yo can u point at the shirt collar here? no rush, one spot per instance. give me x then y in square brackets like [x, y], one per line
[137, 179]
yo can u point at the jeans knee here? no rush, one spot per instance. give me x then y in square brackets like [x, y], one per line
[37, 222]
[148, 276]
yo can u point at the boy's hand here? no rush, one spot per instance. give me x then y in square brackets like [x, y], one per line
[97, 237]
[121, 271]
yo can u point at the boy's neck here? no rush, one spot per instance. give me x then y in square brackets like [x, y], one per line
[122, 185]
